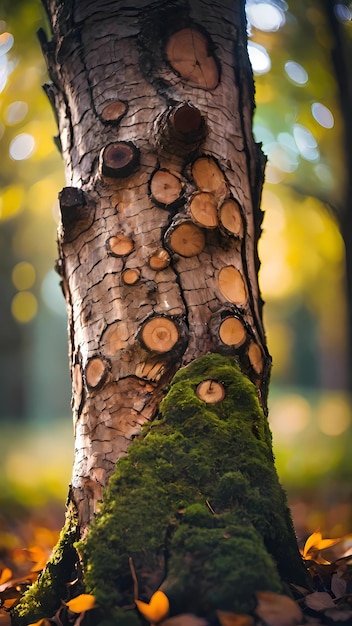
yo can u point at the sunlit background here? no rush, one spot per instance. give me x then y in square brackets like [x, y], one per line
[303, 280]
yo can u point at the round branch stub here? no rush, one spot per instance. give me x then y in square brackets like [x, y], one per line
[96, 372]
[210, 391]
[160, 334]
[119, 159]
[165, 188]
[186, 239]
[232, 332]
[203, 209]
[159, 260]
[120, 245]
[114, 111]
[232, 285]
[188, 53]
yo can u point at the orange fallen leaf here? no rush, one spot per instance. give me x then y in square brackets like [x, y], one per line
[277, 610]
[41, 622]
[226, 618]
[6, 574]
[156, 610]
[316, 543]
[84, 602]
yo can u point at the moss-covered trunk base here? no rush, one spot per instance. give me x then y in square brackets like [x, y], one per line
[44, 597]
[195, 509]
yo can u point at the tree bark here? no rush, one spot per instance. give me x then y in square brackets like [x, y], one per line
[158, 260]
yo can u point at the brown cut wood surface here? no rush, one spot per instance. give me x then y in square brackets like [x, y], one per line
[232, 332]
[203, 209]
[115, 337]
[131, 276]
[187, 239]
[95, 372]
[208, 176]
[165, 187]
[256, 357]
[120, 245]
[119, 159]
[159, 260]
[114, 111]
[187, 51]
[232, 285]
[210, 391]
[230, 217]
[160, 334]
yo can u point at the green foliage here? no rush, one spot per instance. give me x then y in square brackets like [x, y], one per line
[196, 504]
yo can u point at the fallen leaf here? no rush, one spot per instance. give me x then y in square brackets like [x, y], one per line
[319, 601]
[84, 602]
[7, 604]
[277, 610]
[5, 619]
[185, 619]
[339, 615]
[6, 574]
[41, 622]
[226, 618]
[315, 543]
[311, 542]
[157, 609]
[338, 586]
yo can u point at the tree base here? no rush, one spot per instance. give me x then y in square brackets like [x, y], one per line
[195, 510]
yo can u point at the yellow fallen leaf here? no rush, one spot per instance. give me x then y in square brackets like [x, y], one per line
[84, 602]
[311, 542]
[315, 543]
[277, 610]
[156, 610]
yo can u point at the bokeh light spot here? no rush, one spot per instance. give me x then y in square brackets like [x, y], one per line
[4, 71]
[322, 115]
[290, 415]
[6, 43]
[23, 275]
[22, 147]
[259, 58]
[24, 306]
[11, 201]
[305, 142]
[334, 416]
[16, 112]
[296, 72]
[343, 12]
[265, 16]
[282, 157]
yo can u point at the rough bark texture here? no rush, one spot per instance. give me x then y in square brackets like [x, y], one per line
[160, 215]
[157, 245]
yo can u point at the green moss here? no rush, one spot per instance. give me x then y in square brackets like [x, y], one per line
[43, 598]
[197, 505]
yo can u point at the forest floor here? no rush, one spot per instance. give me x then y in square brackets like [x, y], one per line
[26, 545]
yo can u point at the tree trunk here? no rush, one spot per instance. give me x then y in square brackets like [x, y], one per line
[158, 260]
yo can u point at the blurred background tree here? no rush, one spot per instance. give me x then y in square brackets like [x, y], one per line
[300, 52]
